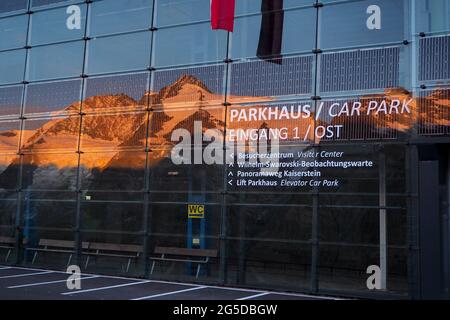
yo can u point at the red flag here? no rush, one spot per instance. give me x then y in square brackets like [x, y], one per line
[222, 14]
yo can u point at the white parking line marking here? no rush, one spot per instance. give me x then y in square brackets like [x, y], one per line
[105, 288]
[169, 293]
[23, 268]
[4, 268]
[254, 296]
[236, 289]
[25, 275]
[48, 282]
[190, 284]
[303, 295]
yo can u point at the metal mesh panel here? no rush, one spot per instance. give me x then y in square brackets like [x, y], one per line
[434, 113]
[262, 78]
[359, 70]
[434, 58]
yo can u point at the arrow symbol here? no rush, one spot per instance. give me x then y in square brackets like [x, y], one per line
[230, 182]
[230, 173]
[232, 155]
[231, 164]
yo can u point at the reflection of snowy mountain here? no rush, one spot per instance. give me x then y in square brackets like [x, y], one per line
[113, 126]
[108, 125]
[8, 139]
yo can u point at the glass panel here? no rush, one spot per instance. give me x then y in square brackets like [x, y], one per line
[13, 32]
[164, 124]
[48, 213]
[12, 64]
[52, 26]
[396, 171]
[9, 170]
[397, 265]
[189, 44]
[112, 216]
[8, 206]
[288, 224]
[360, 30]
[111, 93]
[7, 6]
[9, 135]
[112, 16]
[56, 61]
[397, 229]
[269, 36]
[259, 263]
[119, 53]
[432, 15]
[50, 171]
[54, 98]
[10, 100]
[167, 176]
[266, 81]
[115, 171]
[343, 267]
[171, 12]
[46, 134]
[114, 131]
[349, 225]
[193, 86]
[39, 3]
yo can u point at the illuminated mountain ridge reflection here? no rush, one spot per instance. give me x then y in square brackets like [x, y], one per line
[114, 129]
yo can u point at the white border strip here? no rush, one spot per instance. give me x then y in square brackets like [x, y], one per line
[104, 288]
[25, 275]
[5, 268]
[49, 282]
[170, 293]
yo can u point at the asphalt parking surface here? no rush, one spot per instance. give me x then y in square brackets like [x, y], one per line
[38, 284]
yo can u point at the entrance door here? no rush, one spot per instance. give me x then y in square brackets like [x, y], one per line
[433, 197]
[444, 197]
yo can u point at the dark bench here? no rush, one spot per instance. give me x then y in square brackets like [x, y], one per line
[56, 246]
[129, 251]
[7, 243]
[198, 256]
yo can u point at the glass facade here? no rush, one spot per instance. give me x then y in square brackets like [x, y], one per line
[95, 96]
